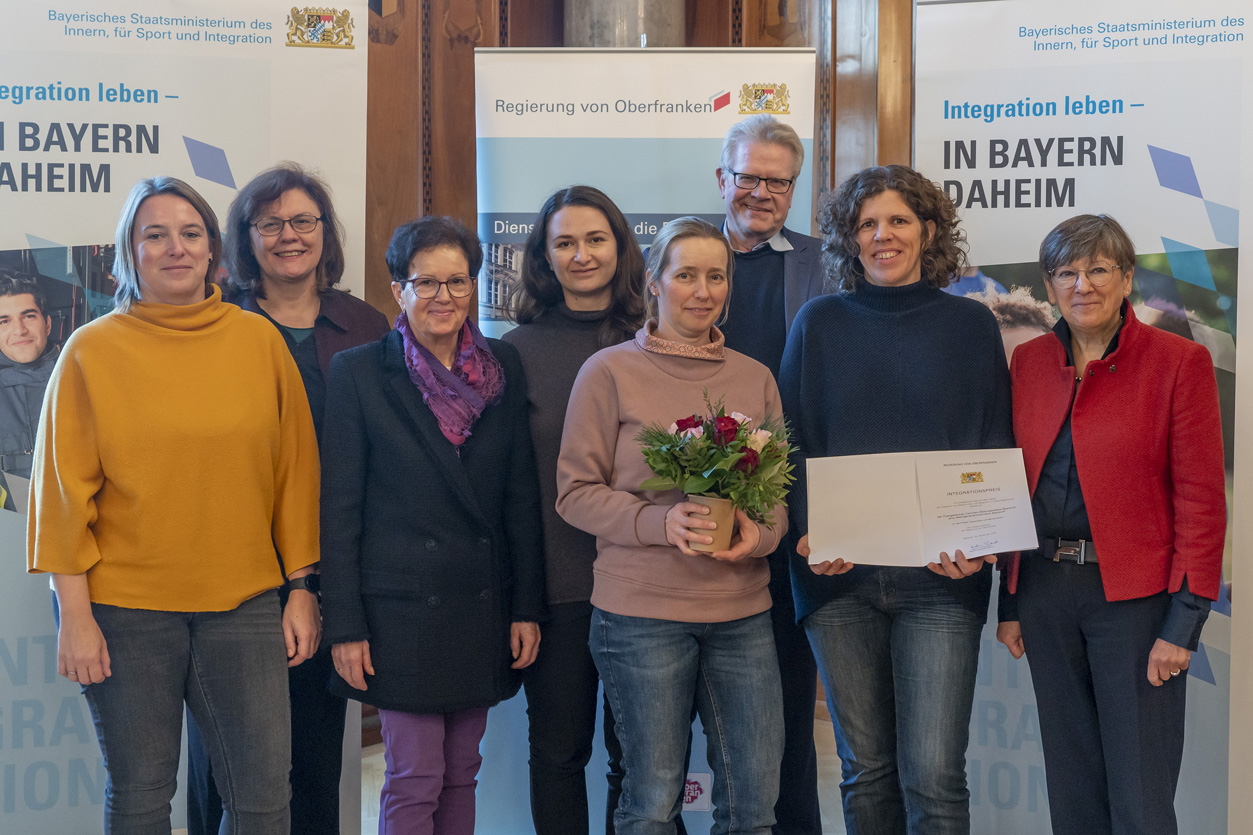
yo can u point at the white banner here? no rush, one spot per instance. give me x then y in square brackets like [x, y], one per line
[210, 92]
[92, 100]
[643, 126]
[1032, 111]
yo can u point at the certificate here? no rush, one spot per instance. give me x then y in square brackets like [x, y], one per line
[904, 508]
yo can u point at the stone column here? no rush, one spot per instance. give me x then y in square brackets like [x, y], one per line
[621, 23]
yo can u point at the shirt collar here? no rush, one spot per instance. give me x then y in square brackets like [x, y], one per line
[1062, 331]
[331, 310]
[778, 242]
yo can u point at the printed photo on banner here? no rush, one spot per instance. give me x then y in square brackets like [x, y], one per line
[45, 294]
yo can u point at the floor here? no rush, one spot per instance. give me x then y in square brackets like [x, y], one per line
[372, 767]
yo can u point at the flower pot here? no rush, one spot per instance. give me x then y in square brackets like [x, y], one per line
[721, 511]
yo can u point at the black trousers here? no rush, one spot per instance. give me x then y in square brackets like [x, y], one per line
[1113, 743]
[561, 699]
[317, 757]
[796, 812]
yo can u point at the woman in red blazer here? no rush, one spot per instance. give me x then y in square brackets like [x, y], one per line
[1120, 432]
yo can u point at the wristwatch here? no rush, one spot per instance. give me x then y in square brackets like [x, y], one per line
[310, 583]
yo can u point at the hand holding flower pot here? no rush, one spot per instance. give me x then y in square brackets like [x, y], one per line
[718, 459]
[722, 514]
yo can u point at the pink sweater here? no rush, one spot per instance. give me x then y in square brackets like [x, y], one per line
[619, 391]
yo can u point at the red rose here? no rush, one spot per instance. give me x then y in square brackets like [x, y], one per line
[683, 424]
[725, 429]
[749, 462]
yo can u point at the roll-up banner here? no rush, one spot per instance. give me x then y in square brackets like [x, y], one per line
[1029, 112]
[645, 126]
[91, 100]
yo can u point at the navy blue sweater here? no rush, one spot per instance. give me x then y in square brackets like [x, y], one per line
[891, 369]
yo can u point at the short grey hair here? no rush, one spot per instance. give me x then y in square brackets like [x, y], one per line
[762, 129]
[677, 230]
[1087, 236]
[125, 273]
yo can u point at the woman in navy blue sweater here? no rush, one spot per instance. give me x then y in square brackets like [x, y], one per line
[891, 363]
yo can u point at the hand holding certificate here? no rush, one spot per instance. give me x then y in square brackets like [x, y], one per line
[907, 508]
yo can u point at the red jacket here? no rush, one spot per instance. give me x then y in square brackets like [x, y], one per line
[1149, 450]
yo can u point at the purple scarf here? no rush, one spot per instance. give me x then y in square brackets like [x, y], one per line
[458, 396]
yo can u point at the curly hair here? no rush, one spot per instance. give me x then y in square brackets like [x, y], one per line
[943, 255]
[538, 291]
[242, 269]
[15, 283]
[1016, 309]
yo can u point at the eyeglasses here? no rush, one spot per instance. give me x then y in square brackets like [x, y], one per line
[427, 286]
[774, 185]
[268, 227]
[1064, 278]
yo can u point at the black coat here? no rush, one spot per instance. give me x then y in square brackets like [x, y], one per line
[427, 555]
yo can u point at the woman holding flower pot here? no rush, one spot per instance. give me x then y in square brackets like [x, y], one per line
[673, 625]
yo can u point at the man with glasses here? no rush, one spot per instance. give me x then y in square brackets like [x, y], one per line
[776, 272]
[27, 356]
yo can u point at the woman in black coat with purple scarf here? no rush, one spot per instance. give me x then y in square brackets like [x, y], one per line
[432, 552]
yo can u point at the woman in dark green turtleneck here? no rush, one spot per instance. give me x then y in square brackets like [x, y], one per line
[581, 290]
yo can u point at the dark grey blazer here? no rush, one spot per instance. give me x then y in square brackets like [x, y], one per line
[428, 555]
[803, 275]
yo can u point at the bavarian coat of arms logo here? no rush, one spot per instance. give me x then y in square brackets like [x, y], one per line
[315, 26]
[764, 98]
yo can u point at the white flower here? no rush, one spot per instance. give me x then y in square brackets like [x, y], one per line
[694, 433]
[674, 428]
[741, 418]
[757, 439]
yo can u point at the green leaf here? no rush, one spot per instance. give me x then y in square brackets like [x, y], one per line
[695, 485]
[725, 464]
[659, 483]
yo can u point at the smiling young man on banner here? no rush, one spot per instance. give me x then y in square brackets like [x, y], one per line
[26, 360]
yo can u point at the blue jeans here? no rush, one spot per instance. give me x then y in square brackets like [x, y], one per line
[898, 655]
[231, 670]
[653, 670]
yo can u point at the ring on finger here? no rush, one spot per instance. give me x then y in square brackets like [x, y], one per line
[1174, 673]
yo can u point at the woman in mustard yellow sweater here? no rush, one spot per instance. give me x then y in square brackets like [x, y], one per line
[175, 483]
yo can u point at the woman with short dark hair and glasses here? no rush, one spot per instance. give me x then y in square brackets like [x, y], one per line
[283, 257]
[433, 577]
[1121, 436]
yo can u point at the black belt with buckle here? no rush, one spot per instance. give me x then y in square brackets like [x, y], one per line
[1078, 551]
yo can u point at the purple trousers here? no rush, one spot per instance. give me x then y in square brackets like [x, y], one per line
[432, 770]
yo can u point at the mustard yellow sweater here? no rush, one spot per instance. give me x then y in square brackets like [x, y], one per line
[175, 453]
